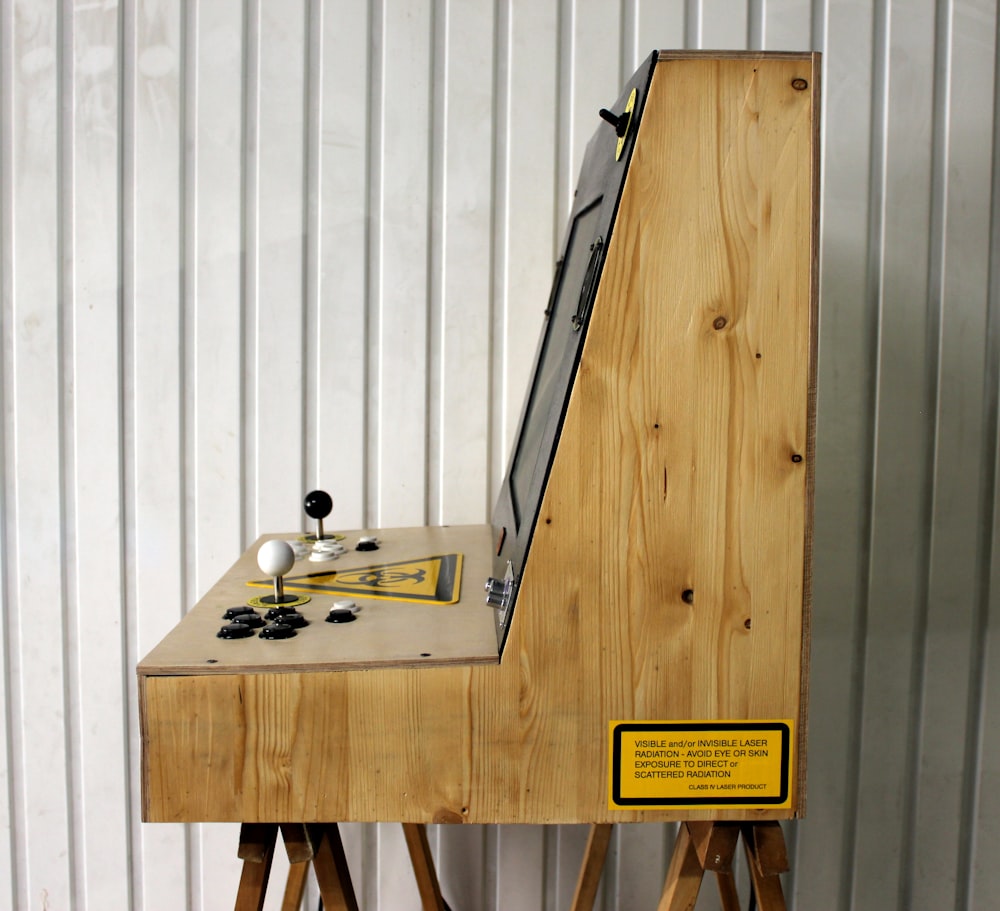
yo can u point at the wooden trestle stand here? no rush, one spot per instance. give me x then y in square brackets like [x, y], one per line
[644, 653]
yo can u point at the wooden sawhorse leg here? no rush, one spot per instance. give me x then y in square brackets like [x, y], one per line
[700, 847]
[767, 858]
[594, 856]
[300, 852]
[257, 851]
[321, 845]
[423, 867]
[330, 865]
[711, 846]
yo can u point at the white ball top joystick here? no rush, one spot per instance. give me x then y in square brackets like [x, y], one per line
[275, 557]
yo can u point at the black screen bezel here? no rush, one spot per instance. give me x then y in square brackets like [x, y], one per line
[602, 178]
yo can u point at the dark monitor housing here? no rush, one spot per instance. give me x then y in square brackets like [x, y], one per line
[574, 287]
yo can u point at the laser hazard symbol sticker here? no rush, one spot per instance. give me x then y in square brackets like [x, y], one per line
[427, 580]
[661, 765]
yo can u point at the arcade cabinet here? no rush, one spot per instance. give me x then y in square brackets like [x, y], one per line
[641, 650]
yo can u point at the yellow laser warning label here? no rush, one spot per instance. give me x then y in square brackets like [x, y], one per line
[428, 580]
[657, 765]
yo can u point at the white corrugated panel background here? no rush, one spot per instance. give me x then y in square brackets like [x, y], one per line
[252, 248]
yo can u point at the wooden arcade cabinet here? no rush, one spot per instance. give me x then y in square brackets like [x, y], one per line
[641, 653]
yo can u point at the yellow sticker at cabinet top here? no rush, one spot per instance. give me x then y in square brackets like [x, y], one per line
[659, 765]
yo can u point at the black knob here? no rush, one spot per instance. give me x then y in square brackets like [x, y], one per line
[619, 123]
[318, 504]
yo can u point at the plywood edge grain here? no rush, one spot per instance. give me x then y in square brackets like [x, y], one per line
[681, 54]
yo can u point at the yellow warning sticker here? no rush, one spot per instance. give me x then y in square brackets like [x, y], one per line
[629, 108]
[427, 580]
[658, 765]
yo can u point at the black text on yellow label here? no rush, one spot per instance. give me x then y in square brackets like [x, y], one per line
[663, 764]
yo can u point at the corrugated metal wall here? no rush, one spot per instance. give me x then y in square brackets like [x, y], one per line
[247, 249]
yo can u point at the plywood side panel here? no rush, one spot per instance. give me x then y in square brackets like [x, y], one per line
[682, 461]
[424, 746]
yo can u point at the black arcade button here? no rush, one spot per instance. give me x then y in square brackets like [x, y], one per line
[235, 630]
[340, 615]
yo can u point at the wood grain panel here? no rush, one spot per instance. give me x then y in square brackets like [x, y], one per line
[676, 456]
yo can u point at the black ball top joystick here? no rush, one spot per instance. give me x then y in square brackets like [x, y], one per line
[318, 505]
